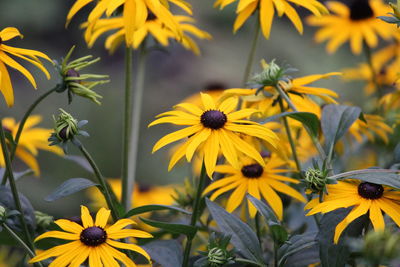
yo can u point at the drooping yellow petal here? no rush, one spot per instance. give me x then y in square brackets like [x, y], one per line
[6, 86]
[211, 148]
[80, 257]
[273, 199]
[129, 233]
[118, 226]
[69, 226]
[266, 16]
[130, 247]
[129, 16]
[58, 234]
[236, 197]
[122, 257]
[196, 140]
[66, 258]
[78, 5]
[228, 148]
[9, 33]
[376, 217]
[175, 136]
[55, 251]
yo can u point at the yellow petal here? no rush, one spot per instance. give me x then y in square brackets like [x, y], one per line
[58, 234]
[266, 16]
[9, 33]
[87, 220]
[78, 5]
[236, 197]
[175, 136]
[376, 217]
[133, 247]
[195, 141]
[69, 226]
[102, 217]
[6, 86]
[211, 149]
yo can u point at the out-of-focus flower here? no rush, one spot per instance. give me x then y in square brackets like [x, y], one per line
[267, 8]
[374, 125]
[153, 26]
[32, 56]
[135, 14]
[93, 240]
[31, 140]
[364, 198]
[356, 23]
[256, 180]
[213, 128]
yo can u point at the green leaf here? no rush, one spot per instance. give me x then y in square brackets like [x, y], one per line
[278, 234]
[299, 250]
[388, 19]
[310, 120]
[81, 161]
[337, 255]
[336, 120]
[396, 153]
[188, 230]
[70, 187]
[147, 208]
[243, 237]
[264, 210]
[165, 252]
[389, 179]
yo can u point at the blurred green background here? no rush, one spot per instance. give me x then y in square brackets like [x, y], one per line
[170, 77]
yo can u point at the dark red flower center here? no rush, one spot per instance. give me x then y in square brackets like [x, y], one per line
[370, 190]
[360, 9]
[143, 188]
[253, 170]
[265, 154]
[215, 86]
[93, 236]
[213, 119]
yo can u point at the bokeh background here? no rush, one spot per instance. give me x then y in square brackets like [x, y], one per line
[171, 76]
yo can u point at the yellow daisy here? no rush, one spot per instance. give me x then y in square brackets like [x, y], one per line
[257, 180]
[135, 13]
[364, 198]
[153, 26]
[246, 8]
[31, 139]
[213, 128]
[92, 240]
[375, 125]
[356, 23]
[32, 56]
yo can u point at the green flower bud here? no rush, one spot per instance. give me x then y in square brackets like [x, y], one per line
[43, 220]
[272, 74]
[2, 211]
[381, 246]
[315, 180]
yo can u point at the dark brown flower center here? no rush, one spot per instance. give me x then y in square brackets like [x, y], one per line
[370, 190]
[265, 154]
[151, 16]
[213, 119]
[93, 236]
[253, 170]
[360, 9]
[1, 40]
[143, 188]
[215, 86]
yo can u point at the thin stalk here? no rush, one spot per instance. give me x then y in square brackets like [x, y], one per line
[20, 241]
[252, 52]
[14, 189]
[246, 261]
[22, 124]
[276, 264]
[290, 138]
[368, 55]
[258, 227]
[135, 125]
[126, 143]
[195, 213]
[293, 107]
[102, 181]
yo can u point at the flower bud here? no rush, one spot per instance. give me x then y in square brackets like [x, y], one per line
[43, 220]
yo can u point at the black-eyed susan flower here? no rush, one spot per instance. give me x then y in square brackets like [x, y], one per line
[373, 125]
[362, 197]
[356, 23]
[93, 240]
[257, 180]
[32, 56]
[267, 8]
[135, 13]
[31, 140]
[213, 128]
[153, 26]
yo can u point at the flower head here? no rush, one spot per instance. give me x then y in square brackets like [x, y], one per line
[32, 56]
[154, 27]
[31, 140]
[257, 180]
[356, 23]
[267, 11]
[213, 128]
[77, 83]
[93, 240]
[363, 197]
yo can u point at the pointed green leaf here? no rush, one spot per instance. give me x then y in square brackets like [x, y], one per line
[148, 208]
[188, 230]
[70, 187]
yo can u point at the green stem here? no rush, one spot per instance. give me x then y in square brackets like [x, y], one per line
[102, 181]
[20, 241]
[195, 213]
[135, 125]
[276, 264]
[373, 72]
[290, 138]
[22, 124]
[246, 261]
[126, 143]
[13, 187]
[258, 227]
[252, 52]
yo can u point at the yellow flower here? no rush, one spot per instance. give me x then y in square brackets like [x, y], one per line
[256, 180]
[364, 198]
[386, 64]
[142, 195]
[356, 23]
[30, 141]
[213, 128]
[153, 26]
[92, 240]
[32, 56]
[375, 125]
[246, 8]
[135, 13]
